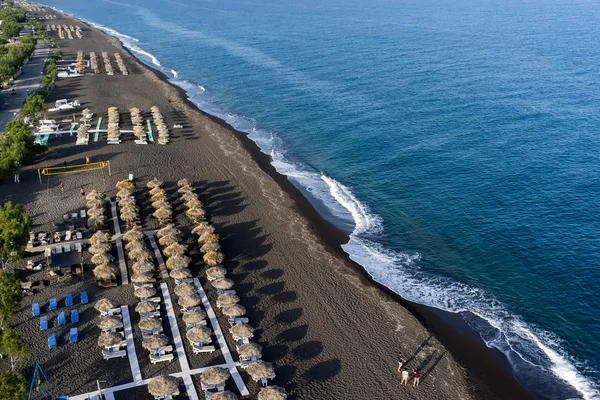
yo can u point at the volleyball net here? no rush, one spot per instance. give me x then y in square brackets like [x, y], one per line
[75, 169]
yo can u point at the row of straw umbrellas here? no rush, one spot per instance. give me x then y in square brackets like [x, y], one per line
[78, 32]
[159, 121]
[61, 33]
[69, 34]
[109, 339]
[138, 129]
[158, 198]
[228, 301]
[121, 64]
[93, 62]
[113, 131]
[83, 136]
[107, 64]
[80, 62]
[96, 208]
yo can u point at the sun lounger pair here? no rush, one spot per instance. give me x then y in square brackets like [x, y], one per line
[237, 320]
[61, 318]
[66, 248]
[147, 334]
[119, 326]
[182, 281]
[153, 314]
[210, 389]
[35, 309]
[242, 340]
[190, 326]
[51, 341]
[68, 300]
[78, 247]
[82, 213]
[162, 351]
[153, 299]
[67, 236]
[201, 348]
[221, 291]
[147, 284]
[117, 346]
[74, 316]
[58, 249]
[112, 311]
[107, 355]
[156, 359]
[73, 335]
[84, 298]
[186, 309]
[78, 236]
[43, 323]
[52, 304]
[263, 382]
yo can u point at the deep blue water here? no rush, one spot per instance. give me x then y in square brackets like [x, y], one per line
[455, 140]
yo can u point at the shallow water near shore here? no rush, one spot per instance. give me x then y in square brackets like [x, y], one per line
[454, 143]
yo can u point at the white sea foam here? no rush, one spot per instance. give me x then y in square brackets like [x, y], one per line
[521, 343]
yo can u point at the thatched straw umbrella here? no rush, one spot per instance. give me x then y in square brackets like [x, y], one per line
[126, 202]
[144, 292]
[145, 307]
[162, 214]
[183, 182]
[185, 189]
[129, 216]
[195, 213]
[228, 299]
[133, 234]
[194, 317]
[208, 237]
[135, 245]
[139, 255]
[213, 258]
[109, 339]
[105, 272]
[203, 227]
[160, 204]
[104, 305]
[124, 193]
[110, 322]
[143, 277]
[168, 240]
[178, 262]
[260, 369]
[216, 272]
[181, 274]
[142, 266]
[208, 247]
[189, 300]
[163, 386]
[194, 203]
[102, 258]
[235, 310]
[155, 342]
[96, 223]
[188, 195]
[160, 196]
[199, 334]
[154, 183]
[242, 330]
[93, 195]
[250, 350]
[99, 248]
[187, 289]
[129, 207]
[95, 203]
[95, 212]
[223, 284]
[215, 376]
[168, 230]
[156, 189]
[150, 324]
[174, 249]
[226, 395]
[99, 237]
[125, 184]
[272, 393]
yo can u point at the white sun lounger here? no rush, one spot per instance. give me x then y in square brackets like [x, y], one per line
[153, 314]
[190, 326]
[238, 320]
[113, 311]
[78, 247]
[154, 299]
[113, 354]
[182, 281]
[78, 235]
[263, 382]
[147, 334]
[243, 340]
[156, 359]
[82, 213]
[68, 235]
[184, 310]
[58, 249]
[162, 351]
[221, 291]
[210, 389]
[200, 348]
[118, 345]
[119, 326]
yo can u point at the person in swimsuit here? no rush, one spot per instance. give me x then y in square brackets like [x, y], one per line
[417, 377]
[401, 361]
[405, 376]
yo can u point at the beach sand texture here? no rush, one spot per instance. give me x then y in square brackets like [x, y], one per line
[330, 332]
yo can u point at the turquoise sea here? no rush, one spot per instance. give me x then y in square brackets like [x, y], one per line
[455, 141]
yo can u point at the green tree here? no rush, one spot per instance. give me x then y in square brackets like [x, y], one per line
[15, 225]
[13, 346]
[10, 29]
[13, 386]
[10, 295]
[34, 106]
[57, 55]
[17, 145]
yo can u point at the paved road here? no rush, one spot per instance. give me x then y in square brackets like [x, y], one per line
[29, 79]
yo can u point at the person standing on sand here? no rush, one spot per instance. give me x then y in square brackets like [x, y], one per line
[87, 160]
[82, 193]
[417, 377]
[401, 361]
[61, 185]
[405, 376]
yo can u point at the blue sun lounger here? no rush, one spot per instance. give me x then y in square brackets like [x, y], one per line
[84, 298]
[73, 335]
[51, 341]
[43, 323]
[52, 304]
[74, 316]
[61, 318]
[35, 309]
[69, 300]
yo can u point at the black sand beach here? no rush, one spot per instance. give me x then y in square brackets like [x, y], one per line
[331, 332]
